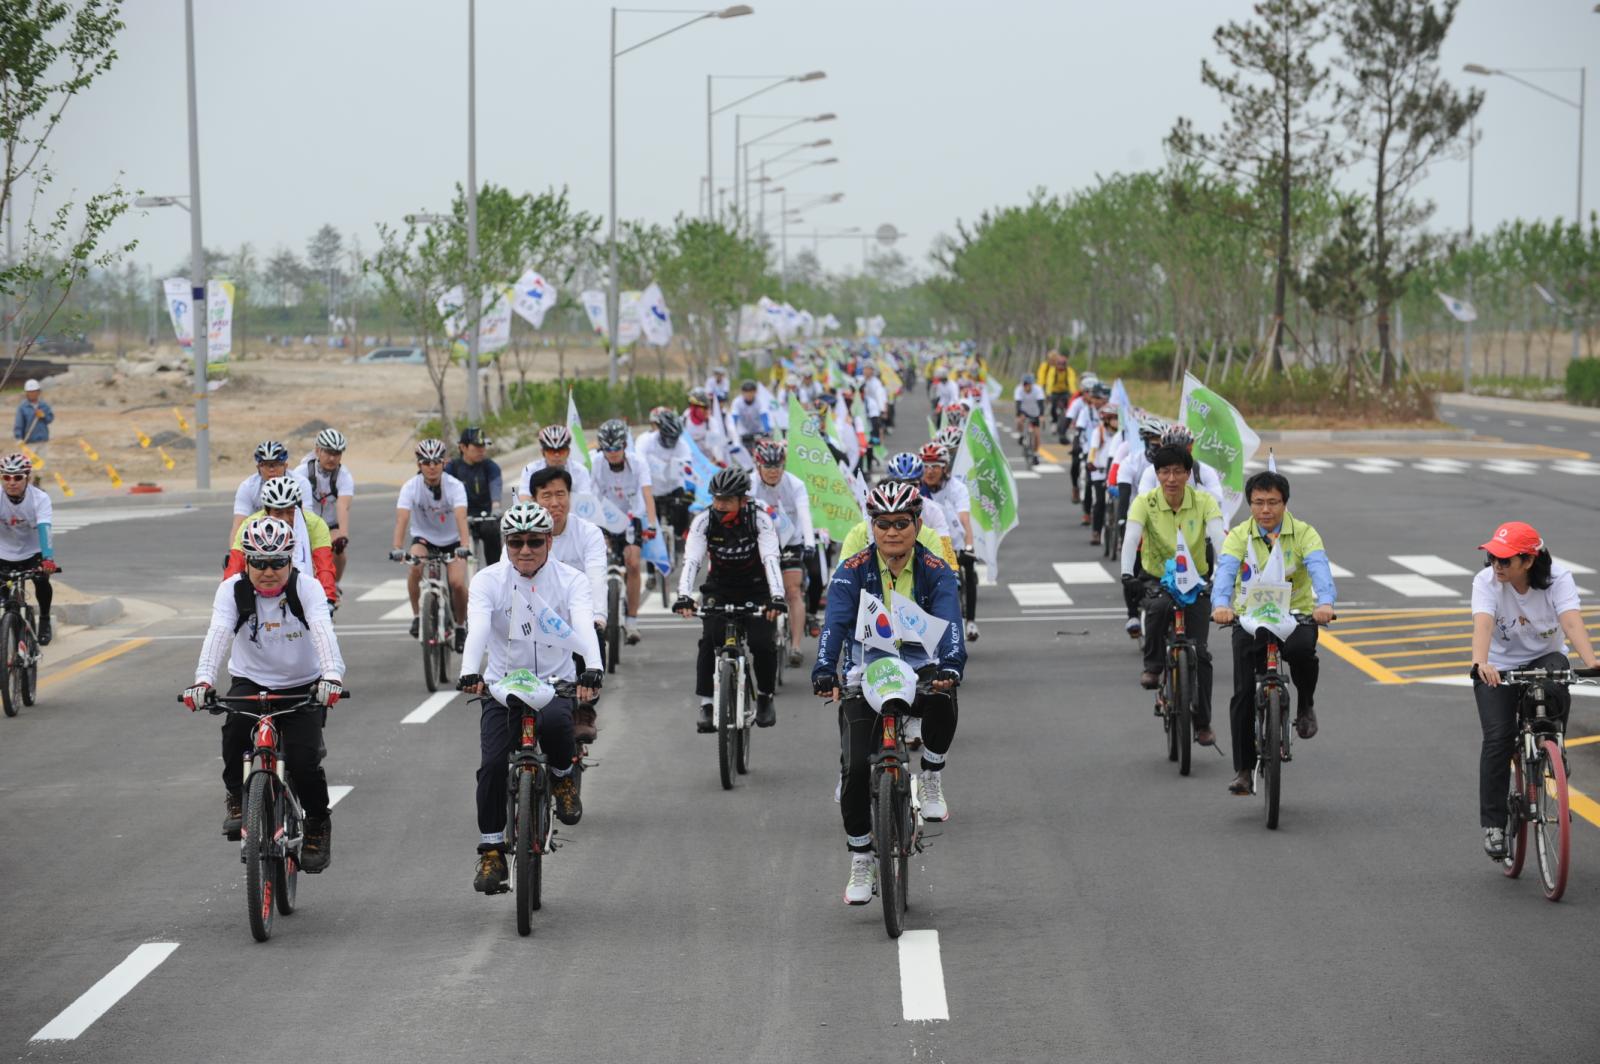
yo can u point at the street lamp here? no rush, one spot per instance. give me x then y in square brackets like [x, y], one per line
[612, 296]
[792, 147]
[1578, 104]
[791, 216]
[712, 111]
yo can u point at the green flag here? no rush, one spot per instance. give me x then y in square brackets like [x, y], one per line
[580, 446]
[983, 465]
[1222, 440]
[833, 504]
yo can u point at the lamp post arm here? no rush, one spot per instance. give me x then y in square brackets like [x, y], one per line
[664, 33]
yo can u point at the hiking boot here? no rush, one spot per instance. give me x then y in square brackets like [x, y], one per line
[564, 795]
[45, 631]
[766, 715]
[316, 853]
[233, 819]
[493, 877]
[703, 724]
[584, 728]
[863, 881]
[416, 626]
[1494, 843]
[934, 806]
[1149, 681]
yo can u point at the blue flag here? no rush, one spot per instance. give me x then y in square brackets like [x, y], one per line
[704, 470]
[654, 551]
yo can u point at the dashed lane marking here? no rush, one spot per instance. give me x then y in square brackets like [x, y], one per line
[1429, 565]
[1413, 585]
[1050, 594]
[98, 999]
[922, 995]
[337, 792]
[429, 708]
[1574, 568]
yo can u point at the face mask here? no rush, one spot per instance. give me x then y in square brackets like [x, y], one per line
[730, 518]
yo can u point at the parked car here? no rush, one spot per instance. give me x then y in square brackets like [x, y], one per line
[396, 356]
[63, 345]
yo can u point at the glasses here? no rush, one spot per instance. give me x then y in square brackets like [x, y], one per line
[895, 524]
[525, 542]
[14, 478]
[274, 562]
[1503, 563]
[433, 461]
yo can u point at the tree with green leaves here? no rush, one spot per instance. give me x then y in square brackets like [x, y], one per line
[1400, 115]
[712, 268]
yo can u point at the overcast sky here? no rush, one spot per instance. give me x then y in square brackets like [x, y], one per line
[353, 111]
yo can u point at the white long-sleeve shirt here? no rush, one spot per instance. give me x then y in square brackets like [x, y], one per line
[497, 591]
[668, 465]
[583, 546]
[696, 548]
[582, 482]
[1203, 477]
[625, 487]
[789, 497]
[274, 650]
[875, 396]
[956, 499]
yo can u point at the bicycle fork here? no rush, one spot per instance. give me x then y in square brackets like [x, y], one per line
[741, 709]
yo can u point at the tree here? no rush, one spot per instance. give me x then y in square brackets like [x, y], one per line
[1274, 133]
[323, 252]
[242, 266]
[284, 277]
[1400, 115]
[712, 268]
[1339, 282]
[414, 270]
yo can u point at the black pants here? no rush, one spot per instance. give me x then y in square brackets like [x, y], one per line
[299, 741]
[813, 561]
[1497, 712]
[42, 592]
[760, 632]
[859, 740]
[969, 580]
[1158, 609]
[1097, 519]
[490, 535]
[1077, 471]
[499, 731]
[1299, 652]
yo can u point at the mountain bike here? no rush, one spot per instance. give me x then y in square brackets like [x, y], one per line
[1273, 736]
[273, 830]
[1175, 698]
[733, 691]
[436, 611]
[19, 641]
[476, 523]
[616, 599]
[1537, 793]
[1028, 439]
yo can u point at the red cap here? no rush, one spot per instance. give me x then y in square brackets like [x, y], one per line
[1513, 538]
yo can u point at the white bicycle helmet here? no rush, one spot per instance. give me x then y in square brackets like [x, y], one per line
[267, 537]
[555, 438]
[331, 440]
[271, 451]
[894, 497]
[281, 493]
[431, 451]
[16, 462]
[527, 517]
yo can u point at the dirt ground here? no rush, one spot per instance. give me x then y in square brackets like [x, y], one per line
[103, 405]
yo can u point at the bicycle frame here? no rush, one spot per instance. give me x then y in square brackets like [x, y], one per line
[436, 578]
[735, 646]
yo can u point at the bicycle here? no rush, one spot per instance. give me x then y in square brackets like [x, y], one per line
[476, 523]
[19, 641]
[1028, 439]
[273, 830]
[616, 598]
[1537, 792]
[1175, 698]
[1273, 736]
[436, 611]
[733, 693]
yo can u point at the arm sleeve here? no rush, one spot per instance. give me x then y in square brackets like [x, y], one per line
[1131, 538]
[319, 619]
[480, 622]
[235, 564]
[1484, 597]
[843, 595]
[767, 544]
[594, 562]
[44, 538]
[1223, 579]
[219, 636]
[322, 562]
[581, 607]
[1564, 594]
[802, 507]
[1321, 577]
[694, 554]
[347, 484]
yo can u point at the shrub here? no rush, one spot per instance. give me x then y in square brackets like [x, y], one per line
[1583, 381]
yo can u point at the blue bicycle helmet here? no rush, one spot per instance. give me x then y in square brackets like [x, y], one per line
[904, 466]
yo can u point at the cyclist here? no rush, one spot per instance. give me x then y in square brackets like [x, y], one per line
[1525, 609]
[808, 388]
[480, 475]
[1079, 409]
[25, 516]
[1030, 400]
[944, 391]
[875, 398]
[752, 415]
[896, 562]
[697, 422]
[313, 544]
[789, 505]
[740, 543]
[332, 489]
[1103, 440]
[666, 452]
[527, 583]
[432, 505]
[573, 541]
[555, 449]
[623, 478]
[933, 530]
[1130, 464]
[289, 649]
[717, 384]
[1154, 521]
[272, 460]
[1202, 476]
[952, 494]
[1305, 564]
[1058, 381]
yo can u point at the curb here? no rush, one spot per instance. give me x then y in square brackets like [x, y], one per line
[1543, 408]
[1348, 435]
[94, 614]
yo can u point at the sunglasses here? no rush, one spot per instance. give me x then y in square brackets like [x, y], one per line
[885, 524]
[431, 461]
[275, 562]
[525, 542]
[14, 478]
[1504, 563]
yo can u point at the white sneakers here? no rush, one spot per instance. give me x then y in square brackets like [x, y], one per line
[933, 804]
[863, 882]
[972, 631]
[631, 627]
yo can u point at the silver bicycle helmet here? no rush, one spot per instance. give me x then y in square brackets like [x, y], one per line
[894, 497]
[281, 493]
[555, 438]
[16, 462]
[613, 435]
[271, 451]
[332, 440]
[431, 451]
[526, 517]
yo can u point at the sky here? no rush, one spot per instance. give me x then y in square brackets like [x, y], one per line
[353, 112]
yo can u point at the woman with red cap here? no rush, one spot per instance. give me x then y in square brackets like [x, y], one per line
[1524, 609]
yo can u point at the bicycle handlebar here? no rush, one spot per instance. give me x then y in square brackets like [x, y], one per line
[1538, 674]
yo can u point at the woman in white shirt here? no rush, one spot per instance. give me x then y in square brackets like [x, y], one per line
[1524, 609]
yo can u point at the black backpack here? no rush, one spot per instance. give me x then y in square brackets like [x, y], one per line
[244, 601]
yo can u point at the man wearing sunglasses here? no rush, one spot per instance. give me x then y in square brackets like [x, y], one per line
[896, 562]
[276, 622]
[432, 510]
[332, 491]
[25, 514]
[555, 452]
[531, 612]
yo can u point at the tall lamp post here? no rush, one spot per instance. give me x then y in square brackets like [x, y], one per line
[712, 111]
[790, 121]
[1578, 104]
[762, 177]
[612, 284]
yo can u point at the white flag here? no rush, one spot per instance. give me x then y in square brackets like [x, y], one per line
[654, 317]
[219, 315]
[913, 622]
[1544, 294]
[535, 296]
[874, 626]
[594, 305]
[494, 320]
[1187, 578]
[1272, 461]
[628, 329]
[598, 510]
[1267, 596]
[1459, 309]
[536, 622]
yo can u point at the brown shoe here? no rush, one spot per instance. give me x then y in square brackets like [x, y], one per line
[233, 816]
[1240, 785]
[316, 853]
[1205, 736]
[1094, 539]
[1305, 725]
[564, 792]
[1149, 681]
[584, 728]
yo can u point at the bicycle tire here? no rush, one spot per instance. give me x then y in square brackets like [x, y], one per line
[1271, 708]
[30, 673]
[526, 854]
[1553, 852]
[430, 623]
[447, 635]
[1183, 710]
[1169, 724]
[746, 729]
[1516, 821]
[781, 637]
[891, 869]
[259, 874]
[613, 624]
[727, 723]
[287, 871]
[8, 653]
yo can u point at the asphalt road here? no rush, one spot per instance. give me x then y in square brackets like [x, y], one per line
[1088, 903]
[1520, 427]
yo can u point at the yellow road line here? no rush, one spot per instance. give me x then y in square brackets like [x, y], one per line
[1428, 626]
[1584, 740]
[1439, 665]
[1424, 638]
[1396, 615]
[1452, 649]
[1583, 805]
[1381, 673]
[1048, 455]
[90, 662]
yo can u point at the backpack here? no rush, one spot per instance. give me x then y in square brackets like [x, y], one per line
[333, 483]
[244, 601]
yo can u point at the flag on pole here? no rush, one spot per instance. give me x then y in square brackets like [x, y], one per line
[534, 298]
[833, 505]
[594, 305]
[913, 622]
[701, 470]
[599, 510]
[1267, 596]
[654, 317]
[580, 444]
[980, 462]
[1459, 309]
[874, 626]
[1272, 461]
[1222, 440]
[653, 549]
[536, 622]
[1185, 577]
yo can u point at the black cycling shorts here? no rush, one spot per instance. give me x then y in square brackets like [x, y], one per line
[442, 548]
[793, 559]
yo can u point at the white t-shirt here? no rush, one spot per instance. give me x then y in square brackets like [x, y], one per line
[247, 500]
[668, 465]
[1525, 626]
[275, 650]
[748, 417]
[324, 500]
[499, 589]
[1030, 401]
[433, 520]
[583, 546]
[790, 498]
[582, 483]
[625, 487]
[875, 396]
[946, 392]
[20, 521]
[956, 499]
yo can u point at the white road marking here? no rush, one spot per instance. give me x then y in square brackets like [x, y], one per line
[401, 612]
[1339, 572]
[922, 977]
[1320, 463]
[1511, 467]
[1083, 573]
[1442, 465]
[1516, 423]
[429, 708]
[388, 591]
[1577, 468]
[1413, 586]
[1051, 594]
[1554, 428]
[650, 603]
[1466, 681]
[1429, 565]
[1298, 468]
[98, 999]
[984, 579]
[1480, 417]
[336, 792]
[1594, 433]
[67, 518]
[1369, 467]
[1574, 567]
[1025, 474]
[1049, 467]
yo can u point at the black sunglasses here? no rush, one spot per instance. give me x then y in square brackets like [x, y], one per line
[884, 524]
[1504, 563]
[274, 563]
[530, 542]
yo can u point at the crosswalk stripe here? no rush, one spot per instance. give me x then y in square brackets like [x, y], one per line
[1577, 468]
[337, 791]
[1083, 573]
[1051, 594]
[388, 591]
[1574, 567]
[1514, 467]
[1442, 465]
[1049, 467]
[1413, 585]
[1025, 474]
[1370, 467]
[1339, 572]
[1429, 565]
[401, 612]
[429, 708]
[1298, 469]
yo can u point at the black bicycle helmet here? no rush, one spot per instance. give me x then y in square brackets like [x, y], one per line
[730, 482]
[613, 435]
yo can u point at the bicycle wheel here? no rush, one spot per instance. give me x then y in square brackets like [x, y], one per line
[427, 609]
[8, 665]
[527, 851]
[30, 672]
[1270, 707]
[259, 873]
[727, 723]
[613, 624]
[1552, 824]
[287, 870]
[1183, 711]
[1516, 821]
[782, 639]
[886, 837]
[746, 730]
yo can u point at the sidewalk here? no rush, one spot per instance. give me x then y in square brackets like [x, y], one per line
[1520, 406]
